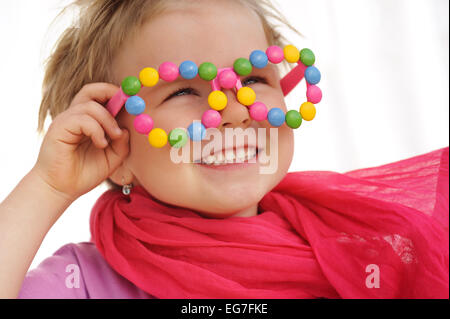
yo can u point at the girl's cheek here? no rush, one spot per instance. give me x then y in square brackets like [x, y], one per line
[180, 113]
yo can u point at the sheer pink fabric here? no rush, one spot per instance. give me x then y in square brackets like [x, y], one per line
[318, 234]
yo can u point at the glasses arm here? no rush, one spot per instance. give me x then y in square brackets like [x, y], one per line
[291, 80]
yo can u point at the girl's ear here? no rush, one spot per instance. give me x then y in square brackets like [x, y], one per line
[122, 175]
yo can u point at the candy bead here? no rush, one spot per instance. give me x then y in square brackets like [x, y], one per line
[196, 131]
[258, 111]
[131, 85]
[227, 79]
[314, 94]
[276, 116]
[211, 118]
[178, 137]
[217, 100]
[242, 67]
[157, 138]
[246, 96]
[307, 57]
[149, 77]
[143, 123]
[207, 71]
[291, 54]
[259, 59]
[308, 111]
[275, 54]
[168, 71]
[293, 119]
[135, 105]
[312, 75]
[188, 70]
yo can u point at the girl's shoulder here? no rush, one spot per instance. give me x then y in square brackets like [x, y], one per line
[77, 270]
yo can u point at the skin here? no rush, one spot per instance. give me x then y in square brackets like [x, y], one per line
[84, 145]
[191, 185]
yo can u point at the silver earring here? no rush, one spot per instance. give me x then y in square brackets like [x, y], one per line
[126, 189]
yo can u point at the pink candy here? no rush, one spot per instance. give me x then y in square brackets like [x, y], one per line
[227, 79]
[168, 71]
[211, 118]
[313, 94]
[258, 111]
[143, 123]
[275, 54]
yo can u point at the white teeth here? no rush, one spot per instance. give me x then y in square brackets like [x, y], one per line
[210, 159]
[231, 156]
[240, 155]
[219, 159]
[251, 153]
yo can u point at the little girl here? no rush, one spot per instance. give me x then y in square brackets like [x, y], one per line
[215, 228]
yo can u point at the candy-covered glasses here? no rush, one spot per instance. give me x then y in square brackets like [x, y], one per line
[225, 78]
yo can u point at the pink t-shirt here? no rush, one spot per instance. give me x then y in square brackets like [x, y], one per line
[78, 271]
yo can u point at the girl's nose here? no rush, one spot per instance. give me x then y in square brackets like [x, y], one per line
[235, 114]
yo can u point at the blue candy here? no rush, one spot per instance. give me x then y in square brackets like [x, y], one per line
[135, 105]
[188, 70]
[276, 116]
[259, 59]
[312, 75]
[196, 131]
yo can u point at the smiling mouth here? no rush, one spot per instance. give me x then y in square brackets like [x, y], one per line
[239, 155]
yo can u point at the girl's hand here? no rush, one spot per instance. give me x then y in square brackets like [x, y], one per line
[75, 155]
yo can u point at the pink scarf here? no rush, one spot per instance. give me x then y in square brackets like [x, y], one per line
[379, 232]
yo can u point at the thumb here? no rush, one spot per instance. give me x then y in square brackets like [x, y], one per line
[118, 150]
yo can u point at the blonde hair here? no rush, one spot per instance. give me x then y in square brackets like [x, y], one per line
[84, 52]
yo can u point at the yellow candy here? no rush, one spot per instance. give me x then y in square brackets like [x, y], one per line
[291, 54]
[246, 96]
[149, 77]
[157, 137]
[217, 100]
[308, 111]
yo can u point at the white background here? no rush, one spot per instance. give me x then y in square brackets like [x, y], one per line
[384, 66]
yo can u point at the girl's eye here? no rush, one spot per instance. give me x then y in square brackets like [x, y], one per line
[188, 90]
[181, 92]
[254, 79]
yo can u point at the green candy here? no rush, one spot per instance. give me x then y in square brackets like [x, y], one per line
[242, 66]
[207, 71]
[178, 138]
[307, 57]
[293, 119]
[131, 85]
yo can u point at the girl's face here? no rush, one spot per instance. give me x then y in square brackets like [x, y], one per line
[204, 31]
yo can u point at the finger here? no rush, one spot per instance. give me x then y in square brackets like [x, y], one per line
[100, 92]
[118, 150]
[101, 115]
[80, 125]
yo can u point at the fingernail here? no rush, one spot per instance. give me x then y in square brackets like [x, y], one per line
[118, 131]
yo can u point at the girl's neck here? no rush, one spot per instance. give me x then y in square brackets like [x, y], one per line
[248, 212]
